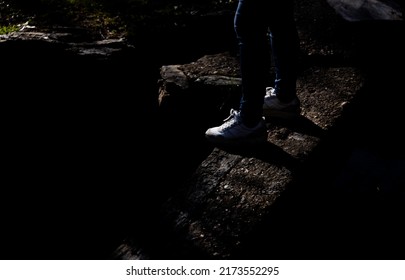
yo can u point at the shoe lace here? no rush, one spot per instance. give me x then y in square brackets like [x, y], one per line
[270, 91]
[231, 120]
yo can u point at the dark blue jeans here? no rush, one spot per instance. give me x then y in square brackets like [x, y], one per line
[261, 26]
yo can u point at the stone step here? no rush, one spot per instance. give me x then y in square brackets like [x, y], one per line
[233, 189]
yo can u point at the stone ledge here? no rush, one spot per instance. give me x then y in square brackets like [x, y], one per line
[233, 189]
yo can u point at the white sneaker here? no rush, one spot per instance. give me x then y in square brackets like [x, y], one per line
[234, 131]
[273, 107]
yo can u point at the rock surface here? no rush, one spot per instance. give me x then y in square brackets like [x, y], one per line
[367, 10]
[294, 197]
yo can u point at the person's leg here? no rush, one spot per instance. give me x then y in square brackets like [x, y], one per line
[285, 47]
[282, 100]
[246, 125]
[251, 32]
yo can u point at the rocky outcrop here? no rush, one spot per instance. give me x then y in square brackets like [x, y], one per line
[83, 141]
[234, 188]
[368, 10]
[281, 199]
[75, 41]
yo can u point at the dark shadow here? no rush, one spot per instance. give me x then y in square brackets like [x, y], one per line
[75, 177]
[271, 153]
[300, 124]
[267, 152]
